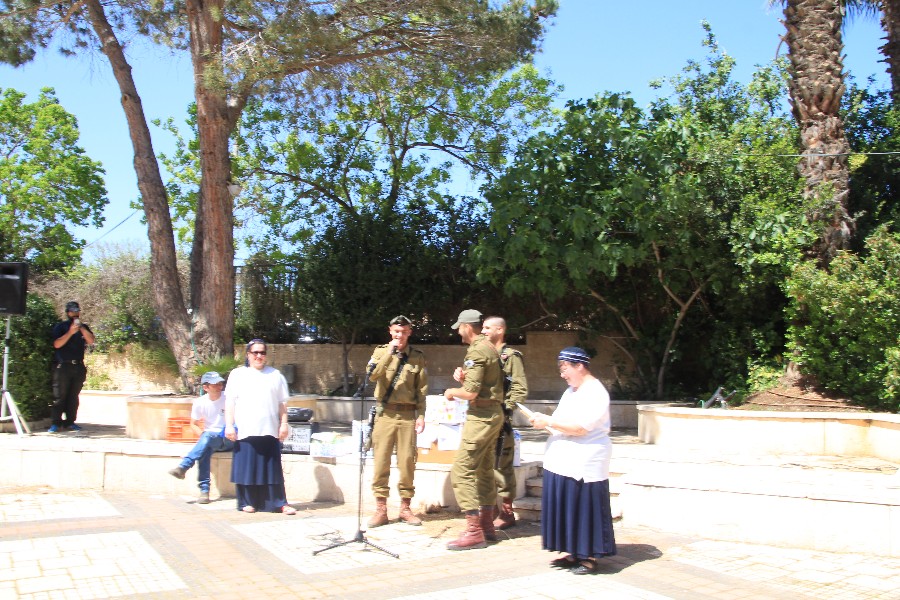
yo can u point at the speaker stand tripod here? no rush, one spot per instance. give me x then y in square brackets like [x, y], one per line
[360, 536]
[7, 403]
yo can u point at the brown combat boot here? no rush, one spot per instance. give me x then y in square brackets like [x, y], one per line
[472, 536]
[380, 517]
[487, 523]
[506, 518]
[406, 514]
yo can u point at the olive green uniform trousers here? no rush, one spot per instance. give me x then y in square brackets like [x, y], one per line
[472, 473]
[394, 428]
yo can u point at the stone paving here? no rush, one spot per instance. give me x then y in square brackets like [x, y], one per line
[80, 545]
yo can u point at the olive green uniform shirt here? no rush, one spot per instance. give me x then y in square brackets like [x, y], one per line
[514, 368]
[483, 373]
[412, 385]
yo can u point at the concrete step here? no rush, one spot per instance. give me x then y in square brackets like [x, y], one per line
[829, 503]
[527, 508]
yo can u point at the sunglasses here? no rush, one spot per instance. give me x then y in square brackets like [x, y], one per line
[258, 352]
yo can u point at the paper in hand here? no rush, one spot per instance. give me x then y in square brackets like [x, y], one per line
[530, 414]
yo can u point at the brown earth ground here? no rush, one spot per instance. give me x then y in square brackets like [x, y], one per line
[797, 397]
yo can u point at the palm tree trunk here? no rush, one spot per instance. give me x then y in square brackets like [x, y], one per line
[890, 21]
[816, 86]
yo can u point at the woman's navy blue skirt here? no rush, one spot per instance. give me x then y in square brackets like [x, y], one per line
[257, 475]
[576, 517]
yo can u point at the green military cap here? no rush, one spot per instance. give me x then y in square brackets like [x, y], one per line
[467, 316]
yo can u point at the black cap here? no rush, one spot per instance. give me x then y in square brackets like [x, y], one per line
[73, 307]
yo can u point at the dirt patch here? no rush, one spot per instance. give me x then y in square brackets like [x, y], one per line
[798, 398]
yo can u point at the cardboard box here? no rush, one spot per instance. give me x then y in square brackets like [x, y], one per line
[435, 456]
[299, 438]
[329, 445]
[180, 430]
[359, 428]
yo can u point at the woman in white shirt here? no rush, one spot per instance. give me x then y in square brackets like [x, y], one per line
[257, 405]
[576, 516]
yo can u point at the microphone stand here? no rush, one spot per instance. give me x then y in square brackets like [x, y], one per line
[360, 536]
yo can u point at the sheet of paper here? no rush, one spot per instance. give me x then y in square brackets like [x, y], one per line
[449, 436]
[428, 435]
[530, 414]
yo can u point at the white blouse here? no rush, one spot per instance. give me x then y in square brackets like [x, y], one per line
[256, 396]
[584, 456]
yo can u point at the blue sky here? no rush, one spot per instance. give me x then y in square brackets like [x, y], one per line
[592, 46]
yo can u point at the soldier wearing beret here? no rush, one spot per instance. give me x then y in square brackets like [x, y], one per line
[472, 473]
[401, 384]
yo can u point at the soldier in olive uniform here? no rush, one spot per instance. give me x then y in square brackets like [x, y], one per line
[401, 385]
[515, 390]
[472, 473]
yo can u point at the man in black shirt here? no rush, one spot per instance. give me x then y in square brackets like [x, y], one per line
[70, 337]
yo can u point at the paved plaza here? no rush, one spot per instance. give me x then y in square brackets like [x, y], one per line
[81, 544]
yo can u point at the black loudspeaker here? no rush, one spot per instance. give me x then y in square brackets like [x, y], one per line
[13, 287]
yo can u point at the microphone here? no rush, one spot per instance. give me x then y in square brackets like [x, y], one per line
[395, 350]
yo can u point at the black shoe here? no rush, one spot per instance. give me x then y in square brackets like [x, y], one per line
[564, 562]
[585, 567]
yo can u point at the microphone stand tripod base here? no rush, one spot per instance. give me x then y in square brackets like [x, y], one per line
[360, 536]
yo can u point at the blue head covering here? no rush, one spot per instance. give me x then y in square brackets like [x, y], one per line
[574, 354]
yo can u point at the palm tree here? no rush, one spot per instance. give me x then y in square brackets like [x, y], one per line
[816, 86]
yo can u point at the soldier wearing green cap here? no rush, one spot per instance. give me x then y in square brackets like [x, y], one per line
[401, 384]
[472, 473]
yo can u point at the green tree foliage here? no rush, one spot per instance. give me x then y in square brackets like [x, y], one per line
[267, 301]
[359, 269]
[47, 184]
[658, 219]
[115, 294]
[30, 355]
[872, 123]
[845, 323]
[392, 145]
[246, 50]
[395, 137]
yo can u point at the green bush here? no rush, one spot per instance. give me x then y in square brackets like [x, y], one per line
[30, 354]
[223, 365]
[845, 323]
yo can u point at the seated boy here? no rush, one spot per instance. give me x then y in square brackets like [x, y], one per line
[209, 408]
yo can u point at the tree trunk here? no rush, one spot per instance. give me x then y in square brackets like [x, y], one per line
[890, 21]
[816, 86]
[212, 257]
[167, 294]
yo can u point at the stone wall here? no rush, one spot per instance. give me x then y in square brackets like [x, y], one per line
[118, 373]
[318, 368]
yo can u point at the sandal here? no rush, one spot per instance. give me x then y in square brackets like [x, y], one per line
[287, 509]
[585, 567]
[564, 562]
[248, 509]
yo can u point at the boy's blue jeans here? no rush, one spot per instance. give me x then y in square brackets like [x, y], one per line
[201, 453]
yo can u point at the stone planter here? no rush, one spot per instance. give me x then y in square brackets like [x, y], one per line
[771, 432]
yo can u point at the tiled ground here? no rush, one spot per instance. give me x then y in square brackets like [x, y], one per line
[81, 545]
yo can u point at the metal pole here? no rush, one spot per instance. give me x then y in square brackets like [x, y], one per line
[7, 400]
